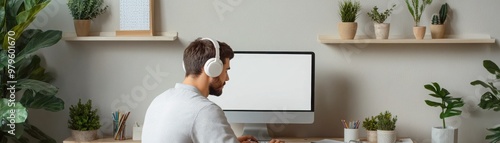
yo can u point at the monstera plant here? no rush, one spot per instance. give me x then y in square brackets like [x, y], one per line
[21, 74]
[490, 100]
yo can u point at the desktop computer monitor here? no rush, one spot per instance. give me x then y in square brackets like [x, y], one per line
[268, 87]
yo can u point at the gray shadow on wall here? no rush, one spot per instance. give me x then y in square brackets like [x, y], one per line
[331, 98]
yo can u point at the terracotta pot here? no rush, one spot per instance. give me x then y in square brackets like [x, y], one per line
[84, 135]
[444, 135]
[419, 32]
[382, 30]
[371, 136]
[347, 30]
[82, 27]
[437, 31]
[384, 136]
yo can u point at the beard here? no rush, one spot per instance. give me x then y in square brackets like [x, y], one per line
[215, 87]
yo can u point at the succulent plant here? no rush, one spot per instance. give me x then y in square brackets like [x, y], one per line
[386, 121]
[349, 10]
[435, 19]
[441, 18]
[82, 117]
[370, 123]
[380, 17]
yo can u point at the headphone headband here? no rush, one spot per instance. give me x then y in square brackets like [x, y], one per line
[216, 47]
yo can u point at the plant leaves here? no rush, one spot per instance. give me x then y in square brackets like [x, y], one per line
[40, 101]
[37, 86]
[7, 107]
[40, 40]
[432, 103]
[38, 134]
[491, 67]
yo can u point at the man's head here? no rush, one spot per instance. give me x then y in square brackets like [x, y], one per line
[197, 54]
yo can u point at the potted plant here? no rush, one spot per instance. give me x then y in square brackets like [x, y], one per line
[370, 124]
[381, 28]
[386, 125]
[490, 99]
[437, 27]
[83, 121]
[348, 13]
[32, 89]
[448, 106]
[416, 8]
[83, 11]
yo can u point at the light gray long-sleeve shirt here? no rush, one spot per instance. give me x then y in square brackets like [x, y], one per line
[183, 115]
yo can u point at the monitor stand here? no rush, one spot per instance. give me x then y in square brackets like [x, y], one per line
[259, 131]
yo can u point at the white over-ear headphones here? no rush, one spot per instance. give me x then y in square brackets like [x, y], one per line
[213, 67]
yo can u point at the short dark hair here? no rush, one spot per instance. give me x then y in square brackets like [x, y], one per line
[197, 54]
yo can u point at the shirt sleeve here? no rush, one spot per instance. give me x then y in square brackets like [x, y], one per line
[211, 126]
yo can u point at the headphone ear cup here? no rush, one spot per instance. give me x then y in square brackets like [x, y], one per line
[213, 67]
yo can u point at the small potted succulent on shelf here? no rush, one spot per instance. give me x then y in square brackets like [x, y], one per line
[489, 99]
[370, 124]
[416, 8]
[348, 13]
[83, 122]
[83, 11]
[381, 28]
[448, 106]
[386, 125]
[437, 27]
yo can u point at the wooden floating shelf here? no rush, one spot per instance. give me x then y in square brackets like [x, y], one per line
[110, 36]
[453, 39]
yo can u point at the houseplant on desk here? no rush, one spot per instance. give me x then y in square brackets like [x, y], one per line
[83, 121]
[381, 28]
[416, 8]
[348, 13]
[83, 11]
[490, 99]
[370, 124]
[448, 104]
[386, 125]
[437, 27]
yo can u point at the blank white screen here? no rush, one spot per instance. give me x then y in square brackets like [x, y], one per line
[263, 81]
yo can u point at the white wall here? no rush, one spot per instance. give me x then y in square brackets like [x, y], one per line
[353, 82]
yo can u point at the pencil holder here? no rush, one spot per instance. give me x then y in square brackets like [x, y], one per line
[351, 135]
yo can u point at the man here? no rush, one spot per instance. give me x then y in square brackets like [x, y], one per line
[184, 114]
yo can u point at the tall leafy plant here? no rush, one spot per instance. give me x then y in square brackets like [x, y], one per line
[490, 100]
[416, 8]
[380, 17]
[19, 63]
[448, 104]
[349, 10]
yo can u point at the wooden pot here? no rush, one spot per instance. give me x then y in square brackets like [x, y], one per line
[382, 30]
[437, 31]
[419, 32]
[82, 27]
[347, 30]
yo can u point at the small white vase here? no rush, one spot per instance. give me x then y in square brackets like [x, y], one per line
[384, 136]
[382, 30]
[371, 136]
[444, 135]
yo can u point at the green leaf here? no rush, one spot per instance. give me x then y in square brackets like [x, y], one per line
[40, 40]
[38, 134]
[491, 66]
[12, 109]
[37, 86]
[429, 87]
[40, 101]
[432, 103]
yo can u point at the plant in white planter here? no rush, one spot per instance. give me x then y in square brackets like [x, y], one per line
[386, 125]
[381, 28]
[416, 8]
[84, 122]
[490, 100]
[448, 106]
[370, 124]
[437, 27]
[348, 13]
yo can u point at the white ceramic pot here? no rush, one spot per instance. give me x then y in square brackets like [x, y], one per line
[384, 136]
[371, 136]
[444, 135]
[347, 30]
[351, 134]
[381, 30]
[84, 135]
